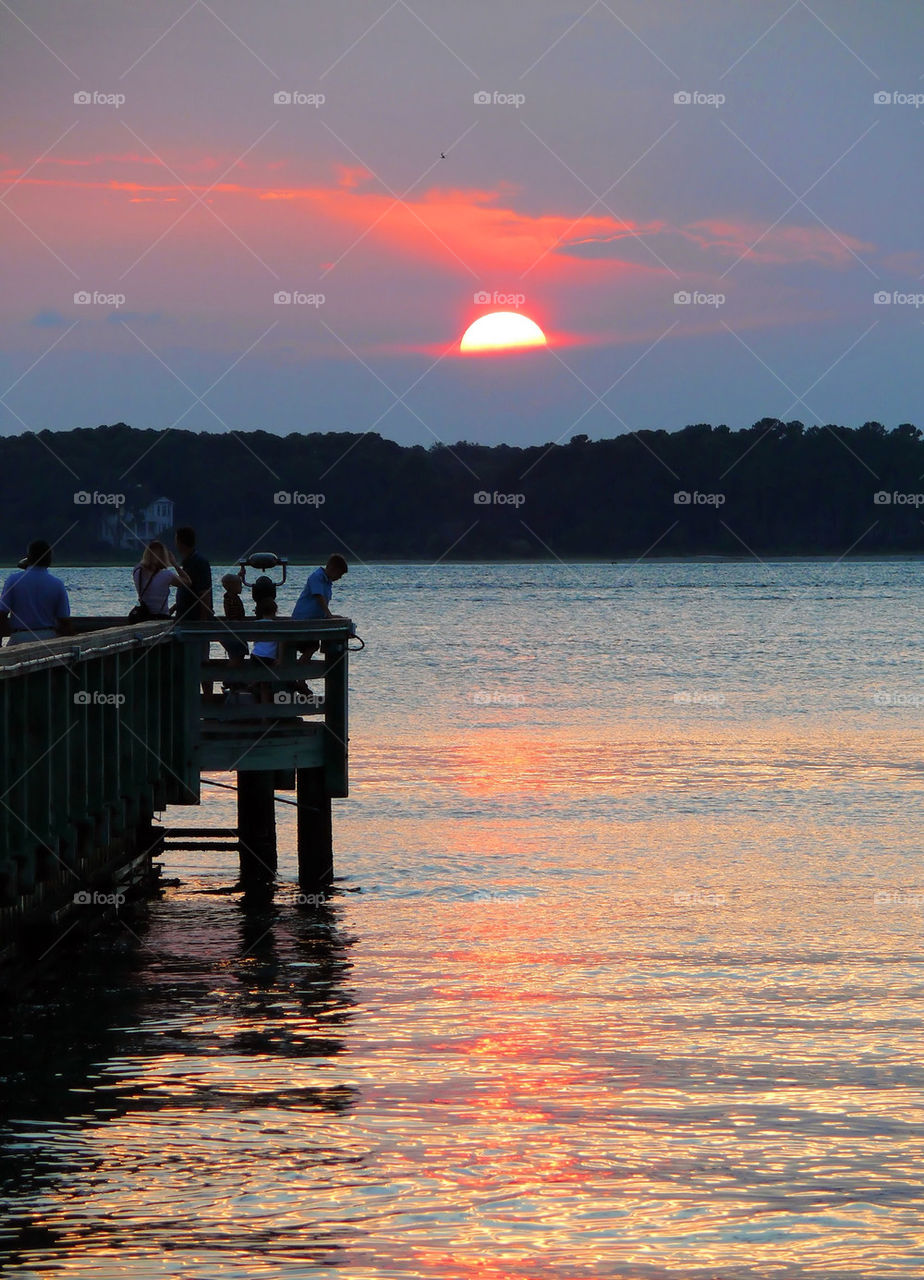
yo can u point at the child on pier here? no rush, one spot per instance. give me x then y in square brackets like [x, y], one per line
[234, 612]
[265, 652]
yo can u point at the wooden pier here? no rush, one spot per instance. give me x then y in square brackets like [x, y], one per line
[101, 730]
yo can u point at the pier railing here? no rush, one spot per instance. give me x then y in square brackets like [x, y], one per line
[288, 715]
[101, 729]
[95, 734]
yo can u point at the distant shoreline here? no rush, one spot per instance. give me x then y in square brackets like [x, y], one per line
[701, 494]
[828, 558]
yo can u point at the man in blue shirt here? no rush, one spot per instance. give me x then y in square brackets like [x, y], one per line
[314, 602]
[34, 603]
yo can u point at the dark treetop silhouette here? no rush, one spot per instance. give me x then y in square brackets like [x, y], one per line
[773, 488]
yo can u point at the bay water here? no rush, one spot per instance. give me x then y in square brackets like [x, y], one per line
[621, 976]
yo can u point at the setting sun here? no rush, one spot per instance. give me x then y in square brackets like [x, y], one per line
[502, 331]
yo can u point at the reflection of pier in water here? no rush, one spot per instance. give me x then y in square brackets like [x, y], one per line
[185, 985]
[103, 729]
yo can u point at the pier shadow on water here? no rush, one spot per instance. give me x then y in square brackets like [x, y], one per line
[154, 1071]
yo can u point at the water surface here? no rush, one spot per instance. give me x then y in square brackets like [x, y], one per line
[622, 976]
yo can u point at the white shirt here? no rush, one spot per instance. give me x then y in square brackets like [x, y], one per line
[156, 587]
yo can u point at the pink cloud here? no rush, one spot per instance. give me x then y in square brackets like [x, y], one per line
[480, 230]
[352, 176]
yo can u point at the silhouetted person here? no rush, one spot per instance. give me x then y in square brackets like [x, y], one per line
[265, 652]
[34, 603]
[153, 578]
[233, 606]
[194, 602]
[314, 601]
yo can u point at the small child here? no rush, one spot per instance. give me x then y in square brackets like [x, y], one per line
[234, 605]
[265, 652]
[234, 612]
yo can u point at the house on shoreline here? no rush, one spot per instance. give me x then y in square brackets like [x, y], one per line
[126, 529]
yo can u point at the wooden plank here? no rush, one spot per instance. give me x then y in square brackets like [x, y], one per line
[207, 846]
[261, 712]
[184, 755]
[221, 669]
[171, 833]
[238, 754]
[292, 629]
[68, 650]
[7, 861]
[242, 757]
[336, 721]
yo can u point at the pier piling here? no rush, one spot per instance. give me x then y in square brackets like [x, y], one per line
[256, 827]
[315, 851]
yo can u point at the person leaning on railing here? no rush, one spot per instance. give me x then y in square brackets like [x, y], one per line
[34, 603]
[314, 601]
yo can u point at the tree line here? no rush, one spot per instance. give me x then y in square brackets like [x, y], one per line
[776, 488]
